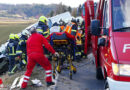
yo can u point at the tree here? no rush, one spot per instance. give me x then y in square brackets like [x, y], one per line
[61, 8]
[69, 9]
[79, 10]
[74, 12]
[51, 13]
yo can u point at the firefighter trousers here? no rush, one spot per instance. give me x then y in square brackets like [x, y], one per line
[39, 58]
[11, 63]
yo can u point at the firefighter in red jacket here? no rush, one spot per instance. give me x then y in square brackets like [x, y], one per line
[35, 55]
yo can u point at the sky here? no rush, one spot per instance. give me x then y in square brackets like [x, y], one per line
[72, 3]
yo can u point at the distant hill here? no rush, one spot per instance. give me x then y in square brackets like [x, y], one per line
[26, 10]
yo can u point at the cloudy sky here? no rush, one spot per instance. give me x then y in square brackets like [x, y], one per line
[73, 3]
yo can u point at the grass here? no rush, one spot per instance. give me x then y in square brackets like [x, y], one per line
[7, 28]
[17, 21]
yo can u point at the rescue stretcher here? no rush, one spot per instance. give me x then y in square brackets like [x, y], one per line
[64, 48]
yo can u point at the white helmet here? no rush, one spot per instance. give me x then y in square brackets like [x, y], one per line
[80, 20]
[25, 32]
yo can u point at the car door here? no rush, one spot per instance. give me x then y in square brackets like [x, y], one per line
[104, 50]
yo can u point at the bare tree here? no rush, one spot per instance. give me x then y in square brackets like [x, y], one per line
[74, 12]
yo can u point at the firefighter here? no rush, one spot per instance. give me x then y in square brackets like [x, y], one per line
[35, 55]
[81, 28]
[11, 50]
[78, 23]
[62, 25]
[78, 44]
[83, 38]
[21, 49]
[16, 38]
[42, 27]
[71, 30]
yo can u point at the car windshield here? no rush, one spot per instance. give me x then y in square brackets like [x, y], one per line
[121, 14]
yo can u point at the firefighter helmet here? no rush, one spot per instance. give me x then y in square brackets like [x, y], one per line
[43, 19]
[11, 36]
[16, 36]
[25, 32]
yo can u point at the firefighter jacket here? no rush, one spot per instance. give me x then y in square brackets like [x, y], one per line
[11, 48]
[43, 29]
[35, 44]
[21, 48]
[16, 41]
[71, 30]
[78, 37]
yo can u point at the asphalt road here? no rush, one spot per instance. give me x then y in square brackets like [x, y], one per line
[84, 79]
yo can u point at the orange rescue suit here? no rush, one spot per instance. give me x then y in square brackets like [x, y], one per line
[62, 27]
[71, 30]
[78, 37]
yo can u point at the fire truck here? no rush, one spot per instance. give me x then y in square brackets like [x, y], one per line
[108, 29]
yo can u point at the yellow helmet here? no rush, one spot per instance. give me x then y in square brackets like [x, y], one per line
[11, 36]
[16, 36]
[43, 19]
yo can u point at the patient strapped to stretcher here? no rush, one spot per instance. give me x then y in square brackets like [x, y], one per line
[59, 39]
[59, 36]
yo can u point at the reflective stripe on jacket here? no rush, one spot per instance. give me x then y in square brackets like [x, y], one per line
[21, 48]
[62, 27]
[11, 48]
[69, 29]
[78, 37]
[43, 29]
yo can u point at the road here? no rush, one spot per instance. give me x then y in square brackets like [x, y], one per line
[84, 79]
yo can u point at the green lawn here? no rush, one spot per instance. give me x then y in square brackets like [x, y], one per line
[5, 30]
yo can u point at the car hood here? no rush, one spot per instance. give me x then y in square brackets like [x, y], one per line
[122, 46]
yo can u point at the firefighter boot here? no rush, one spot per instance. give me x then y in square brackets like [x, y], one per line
[73, 69]
[58, 69]
[50, 84]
